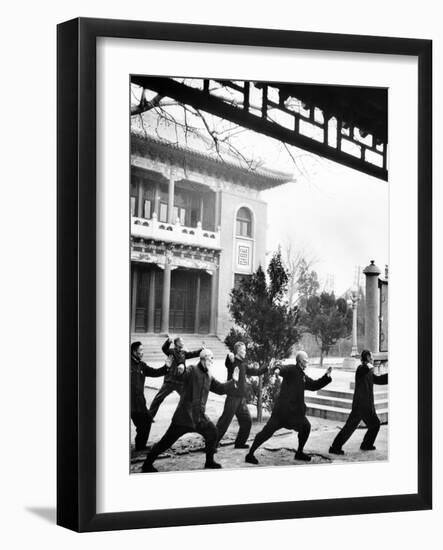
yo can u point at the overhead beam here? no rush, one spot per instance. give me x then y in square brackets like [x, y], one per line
[204, 101]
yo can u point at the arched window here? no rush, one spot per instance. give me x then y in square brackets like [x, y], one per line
[244, 223]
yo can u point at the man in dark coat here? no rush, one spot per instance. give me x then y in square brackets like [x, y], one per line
[235, 404]
[173, 380]
[363, 407]
[139, 413]
[190, 414]
[290, 410]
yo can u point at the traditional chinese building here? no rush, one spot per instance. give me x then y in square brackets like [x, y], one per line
[198, 224]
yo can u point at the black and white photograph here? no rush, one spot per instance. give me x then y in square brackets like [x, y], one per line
[259, 262]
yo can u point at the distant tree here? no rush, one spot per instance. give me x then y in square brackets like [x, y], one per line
[302, 279]
[307, 283]
[328, 319]
[263, 319]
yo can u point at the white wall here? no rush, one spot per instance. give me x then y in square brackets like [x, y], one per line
[27, 299]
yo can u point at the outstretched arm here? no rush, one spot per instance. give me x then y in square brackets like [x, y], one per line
[314, 385]
[166, 346]
[256, 371]
[222, 388]
[192, 354]
[154, 373]
[382, 379]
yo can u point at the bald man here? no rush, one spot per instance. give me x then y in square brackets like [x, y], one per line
[290, 410]
[190, 414]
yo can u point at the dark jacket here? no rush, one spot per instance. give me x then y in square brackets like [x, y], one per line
[238, 370]
[178, 357]
[363, 401]
[197, 383]
[290, 403]
[139, 372]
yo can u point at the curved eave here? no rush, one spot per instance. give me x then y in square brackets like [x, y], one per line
[201, 162]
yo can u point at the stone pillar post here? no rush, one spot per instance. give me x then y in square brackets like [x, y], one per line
[171, 198]
[151, 301]
[214, 300]
[372, 307]
[166, 297]
[354, 350]
[217, 209]
[134, 296]
[140, 197]
[197, 304]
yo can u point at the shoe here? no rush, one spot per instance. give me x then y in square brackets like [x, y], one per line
[334, 451]
[300, 455]
[368, 448]
[213, 465]
[241, 446]
[148, 467]
[251, 459]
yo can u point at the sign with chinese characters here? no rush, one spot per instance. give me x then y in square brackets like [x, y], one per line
[243, 256]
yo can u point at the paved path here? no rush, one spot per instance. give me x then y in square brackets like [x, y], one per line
[187, 453]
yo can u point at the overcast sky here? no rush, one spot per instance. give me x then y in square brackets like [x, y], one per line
[336, 216]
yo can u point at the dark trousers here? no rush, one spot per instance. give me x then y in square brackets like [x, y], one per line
[370, 419]
[303, 427]
[174, 432]
[235, 406]
[142, 422]
[162, 394]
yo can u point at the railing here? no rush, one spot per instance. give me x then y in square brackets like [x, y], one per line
[174, 233]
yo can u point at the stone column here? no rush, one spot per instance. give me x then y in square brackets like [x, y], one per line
[372, 307]
[151, 301]
[217, 209]
[134, 297]
[171, 198]
[140, 199]
[354, 299]
[157, 200]
[166, 297]
[197, 304]
[214, 300]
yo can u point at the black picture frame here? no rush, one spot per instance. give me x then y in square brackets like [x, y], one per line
[76, 274]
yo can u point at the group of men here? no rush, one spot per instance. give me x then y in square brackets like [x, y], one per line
[193, 384]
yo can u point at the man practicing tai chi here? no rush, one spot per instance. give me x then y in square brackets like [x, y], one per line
[363, 407]
[139, 413]
[190, 415]
[173, 380]
[235, 404]
[290, 410]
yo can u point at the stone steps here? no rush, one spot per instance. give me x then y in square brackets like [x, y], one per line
[339, 402]
[337, 413]
[336, 404]
[152, 344]
[348, 394]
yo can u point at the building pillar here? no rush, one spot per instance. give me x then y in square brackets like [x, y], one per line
[140, 195]
[166, 296]
[217, 209]
[201, 211]
[157, 199]
[171, 188]
[214, 300]
[151, 301]
[372, 307]
[134, 296]
[354, 350]
[197, 304]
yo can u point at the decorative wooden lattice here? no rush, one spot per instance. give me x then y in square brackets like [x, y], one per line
[345, 124]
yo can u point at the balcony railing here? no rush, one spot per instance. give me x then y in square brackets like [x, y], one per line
[174, 233]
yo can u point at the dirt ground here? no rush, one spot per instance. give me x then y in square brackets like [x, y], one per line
[188, 452]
